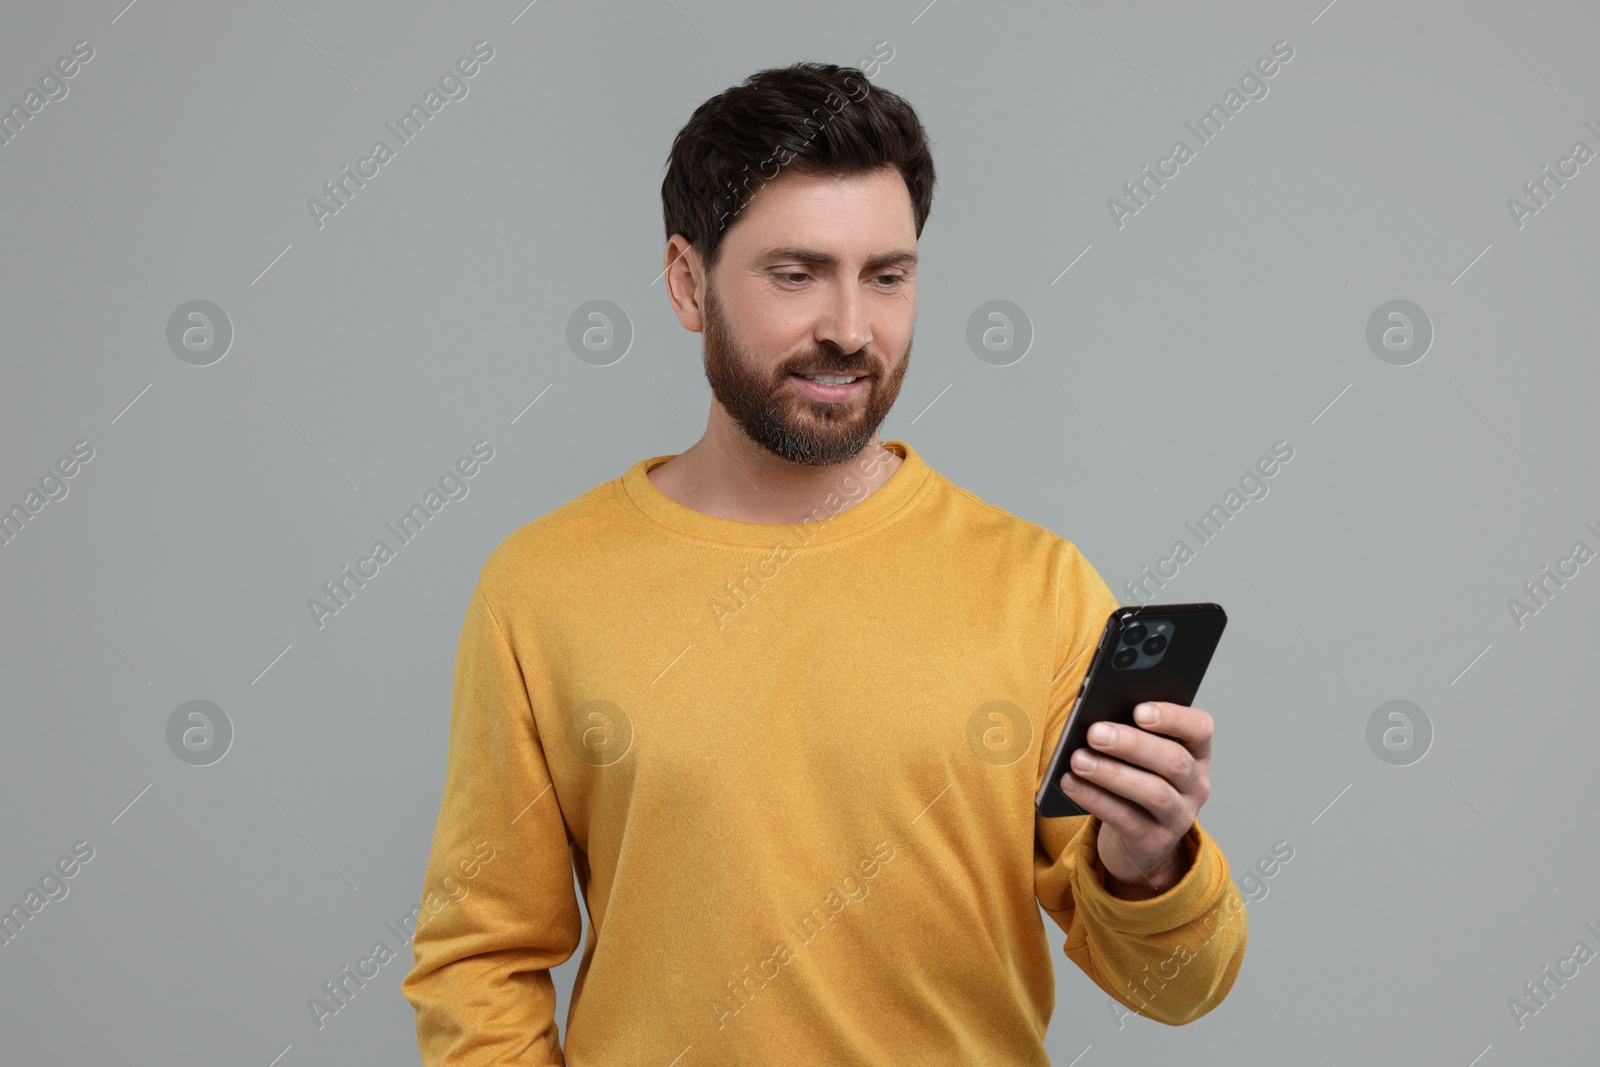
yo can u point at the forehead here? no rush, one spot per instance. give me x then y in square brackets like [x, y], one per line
[858, 215]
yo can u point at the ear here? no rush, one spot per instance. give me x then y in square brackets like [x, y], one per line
[685, 277]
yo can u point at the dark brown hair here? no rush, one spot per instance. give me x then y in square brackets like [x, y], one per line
[810, 118]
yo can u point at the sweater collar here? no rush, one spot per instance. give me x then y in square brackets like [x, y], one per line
[826, 524]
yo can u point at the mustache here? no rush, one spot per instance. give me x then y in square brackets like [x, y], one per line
[832, 365]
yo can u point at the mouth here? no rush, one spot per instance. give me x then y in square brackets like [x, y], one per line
[832, 386]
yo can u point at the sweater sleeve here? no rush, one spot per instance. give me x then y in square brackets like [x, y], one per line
[499, 910]
[1171, 957]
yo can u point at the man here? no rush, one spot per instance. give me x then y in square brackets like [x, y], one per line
[783, 701]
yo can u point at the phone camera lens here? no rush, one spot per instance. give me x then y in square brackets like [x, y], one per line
[1155, 645]
[1133, 634]
[1124, 657]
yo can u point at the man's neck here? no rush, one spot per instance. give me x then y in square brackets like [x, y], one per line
[728, 476]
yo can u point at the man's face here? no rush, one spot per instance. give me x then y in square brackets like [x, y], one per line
[774, 311]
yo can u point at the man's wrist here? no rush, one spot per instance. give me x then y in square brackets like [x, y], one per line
[1154, 882]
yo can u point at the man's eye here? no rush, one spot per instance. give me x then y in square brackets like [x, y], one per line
[887, 281]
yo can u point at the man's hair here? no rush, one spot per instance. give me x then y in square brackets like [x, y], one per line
[809, 118]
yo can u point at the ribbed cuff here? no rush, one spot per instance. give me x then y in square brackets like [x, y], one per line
[1203, 887]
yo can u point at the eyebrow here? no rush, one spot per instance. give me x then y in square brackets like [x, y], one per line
[900, 257]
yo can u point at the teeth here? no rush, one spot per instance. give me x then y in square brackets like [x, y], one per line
[827, 380]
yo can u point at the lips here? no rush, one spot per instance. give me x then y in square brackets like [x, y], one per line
[831, 393]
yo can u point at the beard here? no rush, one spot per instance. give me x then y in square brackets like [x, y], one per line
[779, 416]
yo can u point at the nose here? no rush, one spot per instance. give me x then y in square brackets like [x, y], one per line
[846, 324]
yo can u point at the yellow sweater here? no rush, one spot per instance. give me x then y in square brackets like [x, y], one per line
[794, 767]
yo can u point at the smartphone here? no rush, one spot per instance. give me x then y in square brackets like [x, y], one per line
[1148, 652]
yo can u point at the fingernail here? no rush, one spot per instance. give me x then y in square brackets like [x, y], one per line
[1102, 733]
[1069, 783]
[1146, 714]
[1083, 760]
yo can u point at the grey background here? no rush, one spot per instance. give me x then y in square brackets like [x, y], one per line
[1228, 314]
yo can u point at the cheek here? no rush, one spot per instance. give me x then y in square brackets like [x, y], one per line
[897, 351]
[770, 328]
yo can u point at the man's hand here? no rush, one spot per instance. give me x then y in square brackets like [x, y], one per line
[1146, 790]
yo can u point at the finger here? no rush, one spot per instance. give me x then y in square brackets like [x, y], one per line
[1192, 726]
[1159, 798]
[1159, 755]
[1131, 821]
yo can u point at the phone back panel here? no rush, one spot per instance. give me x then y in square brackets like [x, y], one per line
[1109, 693]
